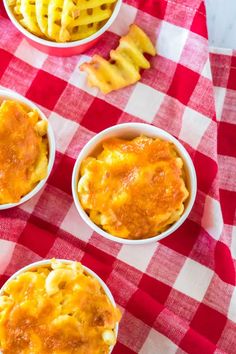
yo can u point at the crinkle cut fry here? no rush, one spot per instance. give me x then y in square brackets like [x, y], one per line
[122, 69]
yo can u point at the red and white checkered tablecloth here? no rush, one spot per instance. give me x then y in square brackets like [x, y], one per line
[177, 295]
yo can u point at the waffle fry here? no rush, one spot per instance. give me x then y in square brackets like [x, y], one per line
[122, 69]
[62, 20]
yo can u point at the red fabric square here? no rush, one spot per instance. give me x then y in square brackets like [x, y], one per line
[183, 84]
[99, 261]
[168, 269]
[155, 288]
[132, 332]
[36, 239]
[228, 203]
[232, 75]
[203, 249]
[42, 224]
[155, 8]
[202, 99]
[116, 282]
[62, 172]
[12, 77]
[3, 279]
[122, 349]
[224, 265]
[170, 107]
[2, 10]
[220, 68]
[5, 60]
[226, 139]
[67, 246]
[100, 115]
[183, 239]
[181, 305]
[206, 170]
[178, 15]
[195, 343]
[218, 294]
[160, 75]
[208, 322]
[73, 103]
[199, 25]
[46, 89]
[144, 307]
[227, 341]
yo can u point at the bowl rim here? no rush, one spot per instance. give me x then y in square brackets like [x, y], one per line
[46, 262]
[71, 44]
[51, 141]
[157, 132]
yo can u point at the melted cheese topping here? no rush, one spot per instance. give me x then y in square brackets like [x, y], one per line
[134, 188]
[23, 151]
[56, 310]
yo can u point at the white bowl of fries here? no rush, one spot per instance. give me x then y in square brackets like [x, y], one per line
[13, 96]
[129, 131]
[64, 30]
[49, 282]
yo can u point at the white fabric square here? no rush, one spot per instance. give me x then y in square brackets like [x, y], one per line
[171, 41]
[75, 225]
[79, 78]
[144, 102]
[125, 18]
[64, 130]
[30, 55]
[206, 72]
[138, 256]
[220, 93]
[194, 125]
[159, 344]
[233, 242]
[232, 307]
[212, 220]
[6, 251]
[193, 279]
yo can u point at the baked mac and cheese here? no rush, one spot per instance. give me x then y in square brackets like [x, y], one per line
[133, 189]
[59, 309]
[23, 150]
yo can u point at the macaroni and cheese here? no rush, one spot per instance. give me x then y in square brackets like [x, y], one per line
[56, 309]
[133, 189]
[23, 150]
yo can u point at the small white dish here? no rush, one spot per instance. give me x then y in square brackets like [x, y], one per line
[129, 131]
[11, 95]
[47, 262]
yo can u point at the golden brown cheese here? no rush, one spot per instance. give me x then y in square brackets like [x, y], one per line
[134, 188]
[23, 151]
[59, 309]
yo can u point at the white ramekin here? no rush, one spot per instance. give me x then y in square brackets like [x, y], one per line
[131, 130]
[11, 95]
[47, 262]
[68, 48]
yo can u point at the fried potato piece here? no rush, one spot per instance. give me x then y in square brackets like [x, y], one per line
[62, 20]
[122, 69]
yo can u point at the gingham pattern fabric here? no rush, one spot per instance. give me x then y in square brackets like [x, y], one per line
[177, 295]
